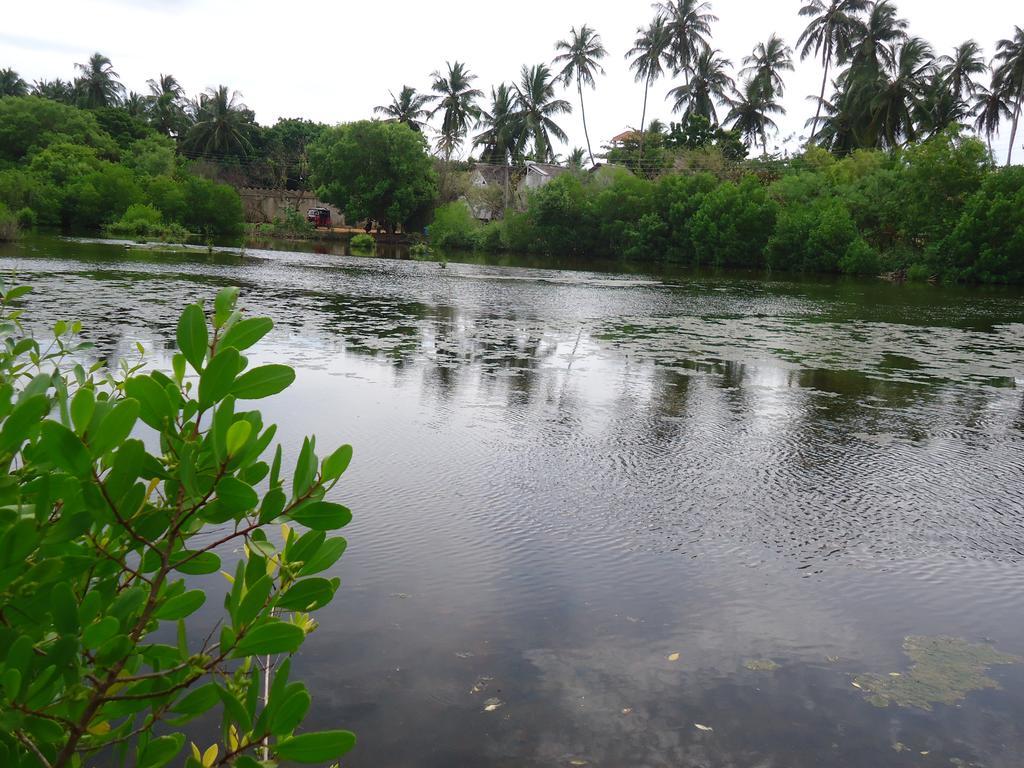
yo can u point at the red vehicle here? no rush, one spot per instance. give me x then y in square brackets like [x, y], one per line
[319, 217]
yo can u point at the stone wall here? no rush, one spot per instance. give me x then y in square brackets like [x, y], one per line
[264, 205]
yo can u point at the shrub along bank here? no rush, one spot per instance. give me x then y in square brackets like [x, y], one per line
[59, 167]
[938, 208]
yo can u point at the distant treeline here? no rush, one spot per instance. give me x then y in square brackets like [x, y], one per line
[92, 169]
[936, 209]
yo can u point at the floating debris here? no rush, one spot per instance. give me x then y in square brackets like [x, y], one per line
[400, 595]
[627, 710]
[480, 684]
[944, 671]
[578, 761]
[492, 704]
[760, 665]
[464, 654]
[673, 657]
[704, 728]
[832, 659]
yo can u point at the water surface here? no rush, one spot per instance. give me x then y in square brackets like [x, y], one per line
[564, 478]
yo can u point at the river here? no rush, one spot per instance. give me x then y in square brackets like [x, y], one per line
[628, 519]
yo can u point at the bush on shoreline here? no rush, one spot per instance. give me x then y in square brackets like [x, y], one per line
[60, 163]
[937, 208]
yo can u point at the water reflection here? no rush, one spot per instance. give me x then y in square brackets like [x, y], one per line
[564, 477]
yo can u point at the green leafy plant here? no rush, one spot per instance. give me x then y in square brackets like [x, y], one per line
[362, 242]
[8, 224]
[120, 488]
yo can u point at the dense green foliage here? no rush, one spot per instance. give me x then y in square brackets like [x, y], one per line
[120, 488]
[938, 207]
[375, 171]
[60, 163]
[9, 224]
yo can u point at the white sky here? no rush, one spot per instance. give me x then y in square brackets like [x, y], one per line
[334, 61]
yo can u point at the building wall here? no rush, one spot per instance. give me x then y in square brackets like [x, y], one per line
[264, 205]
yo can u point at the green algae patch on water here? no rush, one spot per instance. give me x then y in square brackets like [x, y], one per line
[944, 671]
[760, 665]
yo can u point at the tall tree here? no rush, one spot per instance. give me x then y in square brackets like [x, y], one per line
[99, 84]
[1008, 69]
[55, 90]
[902, 94]
[830, 34]
[580, 60]
[689, 22]
[11, 83]
[223, 125]
[960, 69]
[710, 84]
[767, 63]
[750, 113]
[881, 30]
[651, 53]
[503, 139]
[409, 107]
[456, 101]
[168, 105]
[989, 110]
[137, 105]
[537, 108]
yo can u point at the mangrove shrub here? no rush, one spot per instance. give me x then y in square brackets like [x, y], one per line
[120, 491]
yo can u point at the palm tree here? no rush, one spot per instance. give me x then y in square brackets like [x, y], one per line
[882, 29]
[651, 53]
[710, 83]
[99, 85]
[11, 84]
[765, 65]
[1008, 69]
[537, 106]
[503, 139]
[903, 93]
[137, 105]
[750, 113]
[55, 90]
[222, 124]
[167, 112]
[575, 159]
[456, 99]
[989, 110]
[960, 69]
[580, 60]
[409, 107]
[689, 23]
[830, 35]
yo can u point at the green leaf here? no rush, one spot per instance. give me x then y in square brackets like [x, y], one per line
[193, 338]
[245, 333]
[234, 711]
[197, 702]
[96, 634]
[224, 305]
[11, 682]
[198, 565]
[114, 428]
[154, 405]
[65, 449]
[215, 382]
[18, 541]
[328, 554]
[159, 752]
[322, 516]
[305, 469]
[308, 595]
[254, 601]
[236, 496]
[82, 406]
[263, 382]
[315, 747]
[23, 420]
[290, 713]
[334, 466]
[65, 608]
[272, 506]
[181, 606]
[275, 637]
[238, 436]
